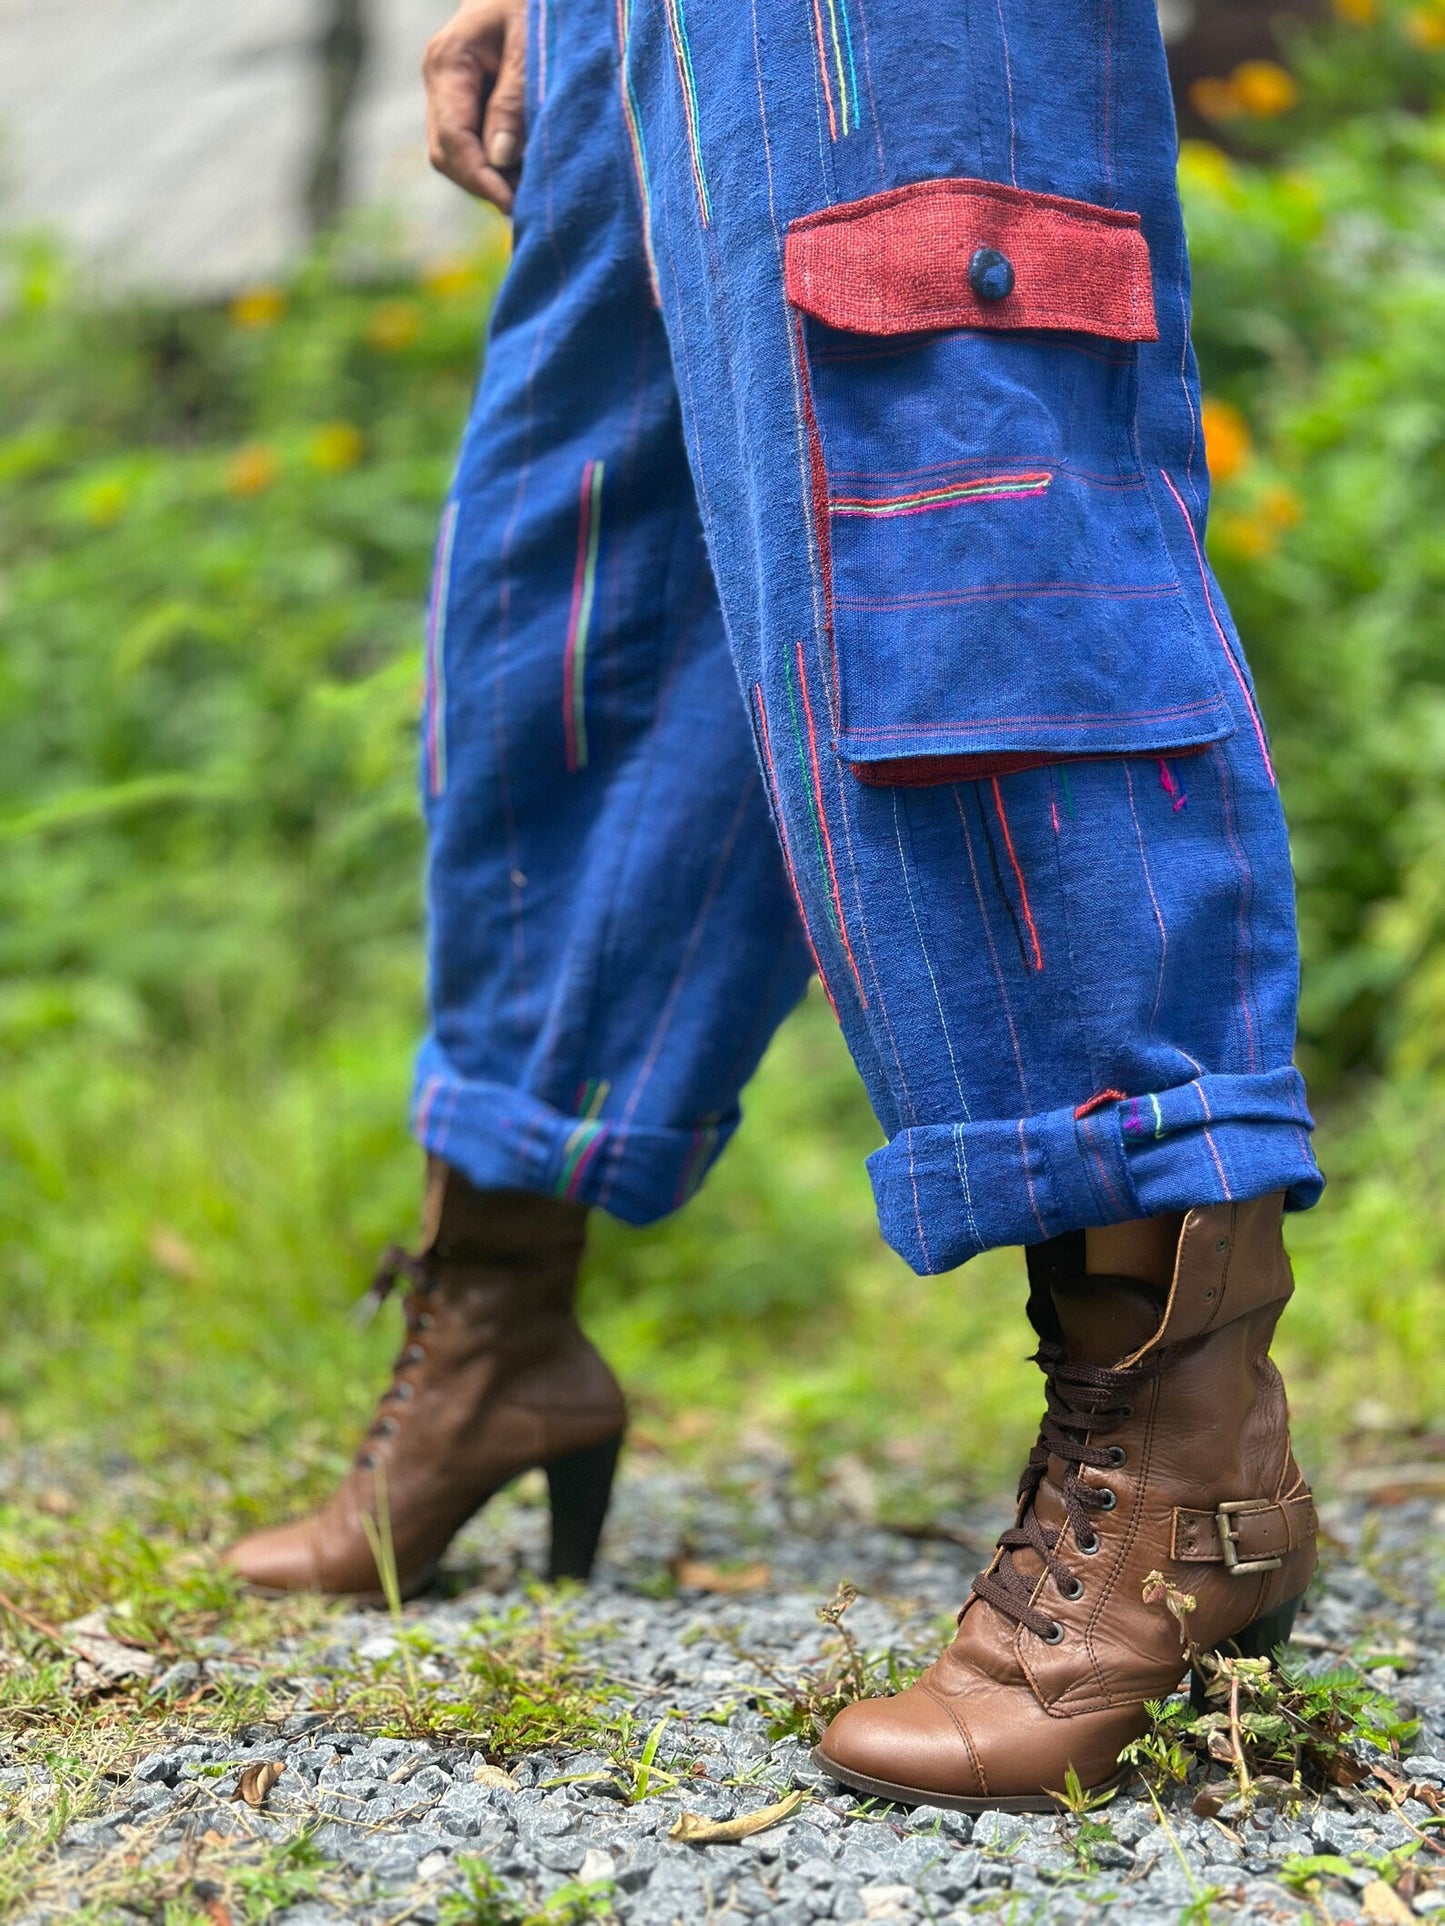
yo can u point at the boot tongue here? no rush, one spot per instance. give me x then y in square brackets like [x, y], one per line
[1107, 1319]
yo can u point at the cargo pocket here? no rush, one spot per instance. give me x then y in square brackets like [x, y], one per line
[1000, 591]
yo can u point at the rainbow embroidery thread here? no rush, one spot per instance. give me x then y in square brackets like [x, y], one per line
[989, 488]
[436, 665]
[836, 66]
[579, 623]
[682, 54]
[578, 1153]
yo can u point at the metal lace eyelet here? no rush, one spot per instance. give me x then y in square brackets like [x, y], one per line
[1118, 1455]
[386, 1429]
[1055, 1634]
[425, 1321]
[413, 1354]
[403, 1391]
[1071, 1588]
[1089, 1544]
[1107, 1499]
[365, 1460]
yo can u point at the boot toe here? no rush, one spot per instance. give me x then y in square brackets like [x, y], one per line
[282, 1559]
[910, 1743]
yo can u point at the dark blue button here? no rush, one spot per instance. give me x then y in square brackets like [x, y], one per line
[991, 274]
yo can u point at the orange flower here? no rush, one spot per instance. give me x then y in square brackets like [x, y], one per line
[336, 447]
[258, 308]
[1227, 443]
[1359, 13]
[252, 469]
[1426, 27]
[1264, 89]
[1280, 507]
[1214, 99]
[394, 325]
[1237, 534]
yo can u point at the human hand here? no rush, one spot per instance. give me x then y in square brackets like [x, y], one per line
[475, 71]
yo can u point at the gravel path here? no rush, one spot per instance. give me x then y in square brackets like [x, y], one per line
[395, 1819]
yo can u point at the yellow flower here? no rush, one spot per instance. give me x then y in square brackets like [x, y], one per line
[252, 469]
[336, 447]
[1426, 27]
[393, 325]
[258, 308]
[104, 502]
[1202, 164]
[1214, 99]
[1227, 443]
[1280, 507]
[452, 276]
[1359, 13]
[1264, 89]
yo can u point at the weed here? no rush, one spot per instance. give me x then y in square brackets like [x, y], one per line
[488, 1901]
[799, 1707]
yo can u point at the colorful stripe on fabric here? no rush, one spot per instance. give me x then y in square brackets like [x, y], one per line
[682, 53]
[578, 1153]
[632, 115]
[579, 622]
[990, 488]
[820, 821]
[763, 739]
[436, 663]
[699, 1157]
[1018, 875]
[836, 65]
[591, 1096]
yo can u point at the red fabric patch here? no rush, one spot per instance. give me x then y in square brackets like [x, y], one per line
[1088, 1108]
[897, 263]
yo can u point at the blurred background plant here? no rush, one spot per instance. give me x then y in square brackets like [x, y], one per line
[215, 527]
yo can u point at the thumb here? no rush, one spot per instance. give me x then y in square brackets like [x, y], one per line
[504, 123]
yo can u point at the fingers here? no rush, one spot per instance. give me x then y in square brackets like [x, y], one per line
[504, 125]
[480, 57]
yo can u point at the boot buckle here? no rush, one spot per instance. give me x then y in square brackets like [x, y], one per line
[1224, 1514]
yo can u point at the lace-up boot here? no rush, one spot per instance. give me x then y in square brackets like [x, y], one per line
[1164, 1448]
[495, 1377]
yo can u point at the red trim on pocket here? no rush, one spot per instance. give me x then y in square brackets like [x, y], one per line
[925, 772]
[897, 263]
[818, 478]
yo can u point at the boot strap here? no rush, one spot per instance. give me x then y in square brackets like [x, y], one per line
[1244, 1534]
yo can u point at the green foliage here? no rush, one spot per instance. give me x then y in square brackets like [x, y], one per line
[1319, 307]
[489, 1901]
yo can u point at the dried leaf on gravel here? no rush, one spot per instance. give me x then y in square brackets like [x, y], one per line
[257, 1780]
[1381, 1902]
[102, 1660]
[694, 1830]
[490, 1775]
[695, 1575]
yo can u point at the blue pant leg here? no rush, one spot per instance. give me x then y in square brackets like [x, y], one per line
[612, 937]
[924, 281]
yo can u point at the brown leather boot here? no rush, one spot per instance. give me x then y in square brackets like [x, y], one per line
[494, 1379]
[1165, 1447]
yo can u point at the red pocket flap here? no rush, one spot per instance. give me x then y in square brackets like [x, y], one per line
[899, 263]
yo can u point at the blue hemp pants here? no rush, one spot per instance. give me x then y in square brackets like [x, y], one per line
[837, 458]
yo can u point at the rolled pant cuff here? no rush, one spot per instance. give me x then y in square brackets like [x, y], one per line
[506, 1139]
[946, 1192]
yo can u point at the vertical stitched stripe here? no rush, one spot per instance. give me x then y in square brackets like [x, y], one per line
[584, 588]
[823, 70]
[1254, 714]
[682, 53]
[632, 115]
[577, 1154]
[852, 68]
[808, 788]
[765, 752]
[821, 821]
[436, 641]
[1018, 874]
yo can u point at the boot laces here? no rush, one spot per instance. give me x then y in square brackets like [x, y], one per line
[1082, 1400]
[397, 1264]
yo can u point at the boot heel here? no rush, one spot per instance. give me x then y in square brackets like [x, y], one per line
[579, 1487]
[1260, 1640]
